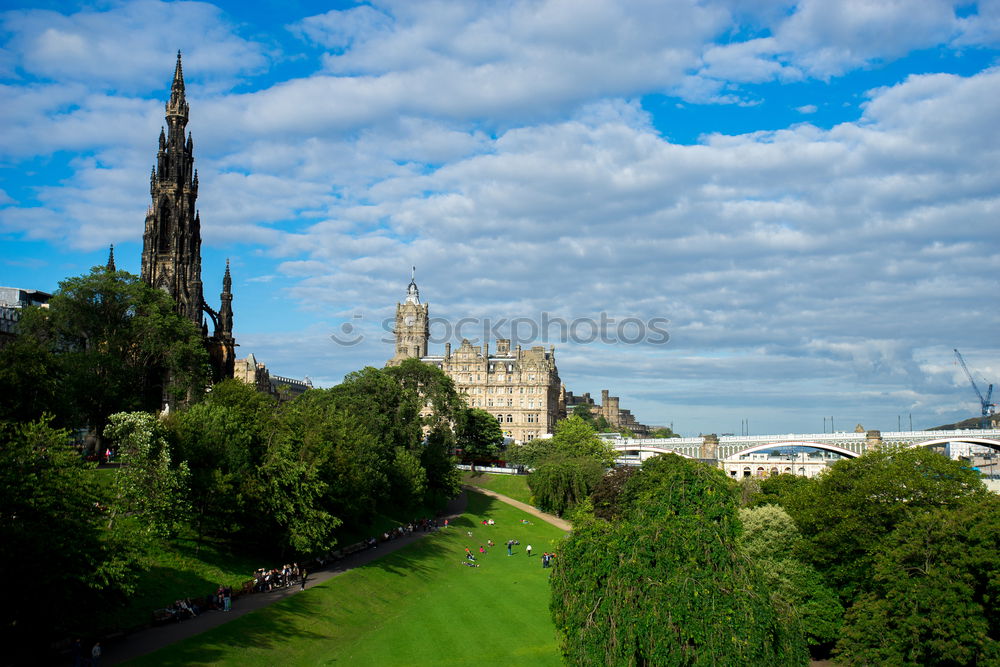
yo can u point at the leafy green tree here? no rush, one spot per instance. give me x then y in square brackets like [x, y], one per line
[289, 490]
[478, 434]
[772, 541]
[148, 488]
[443, 478]
[225, 439]
[601, 425]
[583, 412]
[29, 381]
[64, 568]
[849, 510]
[559, 484]
[606, 494]
[428, 385]
[935, 592]
[573, 438]
[408, 480]
[777, 489]
[114, 341]
[658, 585]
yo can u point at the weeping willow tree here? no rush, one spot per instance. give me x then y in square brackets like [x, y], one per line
[664, 582]
[559, 484]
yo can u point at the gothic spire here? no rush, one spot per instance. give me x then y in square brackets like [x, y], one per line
[177, 106]
[111, 260]
[224, 325]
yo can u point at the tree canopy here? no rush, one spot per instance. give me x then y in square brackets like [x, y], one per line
[933, 600]
[846, 513]
[656, 585]
[111, 343]
[573, 438]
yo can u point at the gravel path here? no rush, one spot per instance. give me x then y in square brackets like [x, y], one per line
[550, 518]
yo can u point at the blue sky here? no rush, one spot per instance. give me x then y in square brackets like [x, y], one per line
[807, 190]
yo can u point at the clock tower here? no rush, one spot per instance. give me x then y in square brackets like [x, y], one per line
[412, 326]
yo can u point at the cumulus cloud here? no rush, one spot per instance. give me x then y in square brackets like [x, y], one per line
[506, 151]
[127, 44]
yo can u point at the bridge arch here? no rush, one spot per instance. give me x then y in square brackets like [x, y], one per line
[799, 443]
[971, 440]
[648, 450]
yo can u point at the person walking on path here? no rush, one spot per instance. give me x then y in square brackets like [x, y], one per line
[305, 574]
[95, 655]
[528, 549]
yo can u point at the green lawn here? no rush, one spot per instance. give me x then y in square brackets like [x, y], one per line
[181, 568]
[417, 606]
[512, 486]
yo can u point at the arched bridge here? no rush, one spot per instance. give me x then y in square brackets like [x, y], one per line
[729, 449]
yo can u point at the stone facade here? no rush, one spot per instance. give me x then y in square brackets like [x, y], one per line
[521, 388]
[609, 408]
[171, 243]
[254, 373]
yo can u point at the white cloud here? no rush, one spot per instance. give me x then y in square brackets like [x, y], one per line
[505, 151]
[128, 44]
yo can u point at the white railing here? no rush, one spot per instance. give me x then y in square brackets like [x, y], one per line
[499, 471]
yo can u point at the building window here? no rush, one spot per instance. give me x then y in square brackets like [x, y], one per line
[500, 418]
[510, 419]
[510, 402]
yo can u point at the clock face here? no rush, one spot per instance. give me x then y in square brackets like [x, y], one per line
[409, 320]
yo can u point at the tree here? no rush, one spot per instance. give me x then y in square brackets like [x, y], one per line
[772, 541]
[663, 432]
[224, 439]
[573, 438]
[148, 488]
[606, 494]
[935, 591]
[777, 489]
[583, 412]
[478, 434]
[115, 341]
[559, 484]
[64, 568]
[443, 478]
[656, 585]
[849, 510]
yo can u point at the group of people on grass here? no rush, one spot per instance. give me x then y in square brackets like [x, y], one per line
[470, 556]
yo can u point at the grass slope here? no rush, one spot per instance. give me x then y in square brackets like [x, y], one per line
[417, 606]
[512, 486]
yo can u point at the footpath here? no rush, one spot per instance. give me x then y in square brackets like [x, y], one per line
[151, 639]
[548, 518]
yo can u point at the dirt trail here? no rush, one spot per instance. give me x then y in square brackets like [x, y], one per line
[554, 520]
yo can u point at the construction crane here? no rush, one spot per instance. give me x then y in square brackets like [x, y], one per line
[985, 402]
